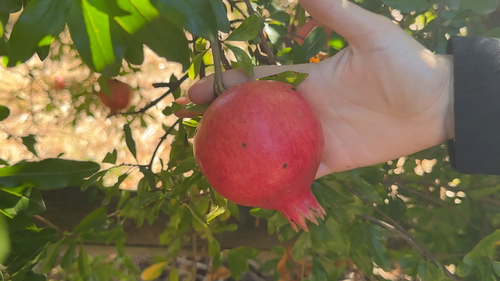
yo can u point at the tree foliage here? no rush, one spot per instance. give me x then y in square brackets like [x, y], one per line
[415, 211]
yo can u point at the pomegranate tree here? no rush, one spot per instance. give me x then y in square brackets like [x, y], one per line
[259, 144]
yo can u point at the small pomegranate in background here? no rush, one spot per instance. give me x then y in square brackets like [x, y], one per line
[59, 83]
[259, 144]
[121, 95]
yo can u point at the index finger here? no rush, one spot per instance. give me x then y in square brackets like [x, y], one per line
[202, 91]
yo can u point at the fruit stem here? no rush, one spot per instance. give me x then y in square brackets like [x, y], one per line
[219, 86]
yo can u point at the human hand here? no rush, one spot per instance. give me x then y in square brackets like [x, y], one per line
[383, 97]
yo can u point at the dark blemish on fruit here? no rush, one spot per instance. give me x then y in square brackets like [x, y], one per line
[284, 165]
[294, 89]
[244, 145]
[244, 121]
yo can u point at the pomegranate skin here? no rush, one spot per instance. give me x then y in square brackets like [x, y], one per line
[121, 95]
[259, 144]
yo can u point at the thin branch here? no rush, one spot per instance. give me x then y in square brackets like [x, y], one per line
[114, 214]
[439, 202]
[233, 4]
[263, 39]
[162, 139]
[173, 87]
[398, 229]
[223, 58]
[48, 223]
[219, 86]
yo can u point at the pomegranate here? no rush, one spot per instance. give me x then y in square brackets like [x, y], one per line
[259, 144]
[121, 94]
[59, 83]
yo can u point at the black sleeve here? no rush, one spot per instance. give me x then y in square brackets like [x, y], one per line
[476, 147]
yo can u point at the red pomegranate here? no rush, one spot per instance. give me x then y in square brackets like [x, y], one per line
[259, 144]
[121, 94]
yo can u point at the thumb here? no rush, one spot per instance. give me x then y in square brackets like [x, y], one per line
[349, 20]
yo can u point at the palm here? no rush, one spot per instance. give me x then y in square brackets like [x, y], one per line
[367, 112]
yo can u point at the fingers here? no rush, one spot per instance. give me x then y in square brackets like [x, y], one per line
[203, 92]
[183, 113]
[347, 19]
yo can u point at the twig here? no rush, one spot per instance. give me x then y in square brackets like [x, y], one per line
[173, 87]
[263, 40]
[48, 223]
[233, 4]
[398, 229]
[162, 139]
[410, 240]
[113, 214]
[416, 192]
[219, 87]
[223, 58]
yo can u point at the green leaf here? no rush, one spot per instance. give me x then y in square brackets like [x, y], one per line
[43, 52]
[98, 28]
[194, 68]
[159, 34]
[184, 14]
[92, 179]
[299, 56]
[214, 248]
[154, 271]
[50, 259]
[83, 264]
[4, 239]
[318, 272]
[481, 7]
[463, 269]
[487, 243]
[473, 258]
[496, 267]
[314, 42]
[301, 246]
[38, 19]
[365, 189]
[32, 276]
[290, 77]
[10, 6]
[243, 59]
[69, 257]
[96, 220]
[29, 141]
[30, 241]
[281, 16]
[377, 250]
[135, 50]
[197, 107]
[130, 140]
[173, 275]
[47, 174]
[233, 208]
[186, 165]
[110, 157]
[4, 112]
[220, 14]
[248, 30]
[262, 213]
[237, 260]
[407, 6]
